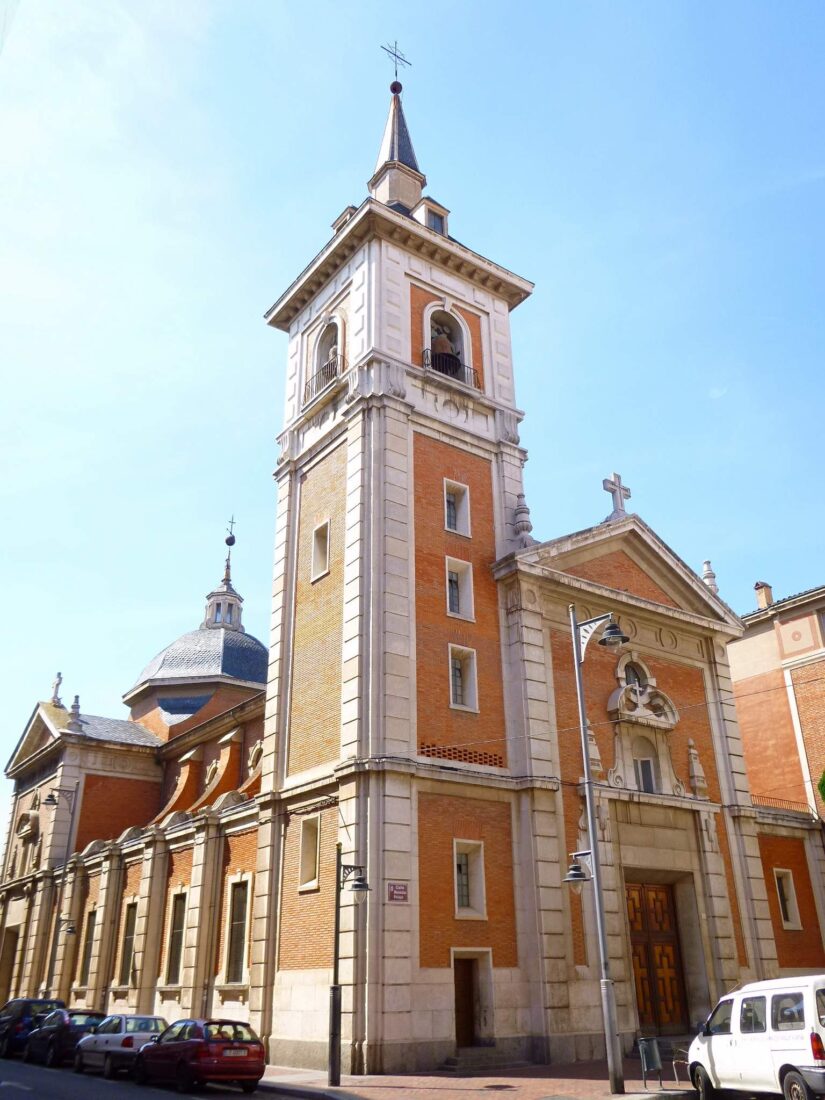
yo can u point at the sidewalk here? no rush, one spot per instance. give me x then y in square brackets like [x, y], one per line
[580, 1081]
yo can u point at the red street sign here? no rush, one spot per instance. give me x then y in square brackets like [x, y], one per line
[397, 891]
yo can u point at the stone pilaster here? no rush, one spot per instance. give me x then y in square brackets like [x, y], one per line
[104, 946]
[265, 918]
[148, 929]
[198, 969]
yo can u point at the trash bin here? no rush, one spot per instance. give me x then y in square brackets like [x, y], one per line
[651, 1059]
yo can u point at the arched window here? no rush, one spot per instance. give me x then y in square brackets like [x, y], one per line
[447, 354]
[646, 765]
[326, 352]
[634, 675]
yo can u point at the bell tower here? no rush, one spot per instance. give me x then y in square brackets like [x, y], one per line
[399, 484]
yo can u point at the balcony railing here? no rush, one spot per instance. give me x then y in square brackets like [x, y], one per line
[451, 366]
[781, 804]
[332, 369]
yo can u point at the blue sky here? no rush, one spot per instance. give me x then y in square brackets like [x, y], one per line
[657, 169]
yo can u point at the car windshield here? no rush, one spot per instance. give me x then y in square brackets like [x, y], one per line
[820, 1006]
[230, 1030]
[145, 1023]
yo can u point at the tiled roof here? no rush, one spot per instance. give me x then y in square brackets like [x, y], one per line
[786, 599]
[115, 729]
[207, 653]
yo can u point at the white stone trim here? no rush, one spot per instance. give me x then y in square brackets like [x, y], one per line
[466, 587]
[470, 683]
[222, 981]
[794, 922]
[464, 507]
[477, 909]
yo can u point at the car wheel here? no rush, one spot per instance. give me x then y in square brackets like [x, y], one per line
[795, 1087]
[248, 1086]
[141, 1076]
[77, 1065]
[184, 1079]
[51, 1056]
[704, 1085]
[5, 1051]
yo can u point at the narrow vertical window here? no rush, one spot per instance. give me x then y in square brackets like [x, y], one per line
[456, 507]
[217, 612]
[88, 943]
[128, 947]
[453, 596]
[786, 896]
[456, 681]
[228, 617]
[320, 551]
[462, 880]
[176, 938]
[308, 870]
[237, 932]
[451, 521]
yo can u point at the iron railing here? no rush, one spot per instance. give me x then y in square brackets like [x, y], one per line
[332, 369]
[781, 804]
[451, 366]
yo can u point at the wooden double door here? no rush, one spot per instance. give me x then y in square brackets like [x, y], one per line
[657, 961]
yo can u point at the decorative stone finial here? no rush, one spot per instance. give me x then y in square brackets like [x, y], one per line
[620, 494]
[75, 724]
[522, 524]
[55, 699]
[696, 773]
[709, 577]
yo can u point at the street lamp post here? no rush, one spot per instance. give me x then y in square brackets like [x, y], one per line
[612, 636]
[359, 890]
[52, 800]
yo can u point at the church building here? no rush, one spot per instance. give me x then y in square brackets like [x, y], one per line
[416, 706]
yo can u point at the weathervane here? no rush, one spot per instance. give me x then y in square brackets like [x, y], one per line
[397, 57]
[230, 538]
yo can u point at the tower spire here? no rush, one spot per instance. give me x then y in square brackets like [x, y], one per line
[397, 181]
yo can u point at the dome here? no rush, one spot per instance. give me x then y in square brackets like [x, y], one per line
[205, 654]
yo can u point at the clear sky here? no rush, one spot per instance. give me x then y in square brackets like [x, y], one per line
[166, 169]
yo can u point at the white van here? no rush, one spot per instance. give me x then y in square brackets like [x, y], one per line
[764, 1037]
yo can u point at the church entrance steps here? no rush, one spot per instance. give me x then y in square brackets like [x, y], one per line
[472, 1059]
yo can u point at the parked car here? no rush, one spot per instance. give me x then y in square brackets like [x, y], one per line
[18, 1018]
[54, 1041]
[115, 1043]
[194, 1052]
[765, 1037]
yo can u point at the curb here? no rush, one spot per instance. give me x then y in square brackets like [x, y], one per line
[308, 1092]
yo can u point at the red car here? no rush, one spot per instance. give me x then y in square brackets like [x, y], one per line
[193, 1052]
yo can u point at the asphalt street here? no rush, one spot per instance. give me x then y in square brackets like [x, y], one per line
[19, 1081]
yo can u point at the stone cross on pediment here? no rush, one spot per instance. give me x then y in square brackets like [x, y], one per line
[620, 494]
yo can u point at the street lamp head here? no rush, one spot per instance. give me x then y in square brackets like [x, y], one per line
[575, 877]
[613, 635]
[70, 929]
[50, 799]
[359, 889]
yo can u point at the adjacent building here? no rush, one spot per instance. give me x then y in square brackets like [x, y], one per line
[417, 708]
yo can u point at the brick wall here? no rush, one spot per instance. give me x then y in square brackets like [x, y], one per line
[443, 731]
[474, 324]
[618, 570]
[315, 703]
[307, 918]
[419, 300]
[441, 819]
[240, 853]
[802, 948]
[110, 805]
[768, 738]
[809, 689]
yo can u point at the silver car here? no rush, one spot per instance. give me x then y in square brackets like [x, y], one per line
[116, 1042]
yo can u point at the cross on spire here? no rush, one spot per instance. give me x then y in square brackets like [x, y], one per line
[620, 494]
[396, 55]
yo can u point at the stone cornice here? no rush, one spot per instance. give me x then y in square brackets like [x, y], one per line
[374, 219]
[566, 584]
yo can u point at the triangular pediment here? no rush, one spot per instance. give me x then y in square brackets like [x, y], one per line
[41, 731]
[627, 556]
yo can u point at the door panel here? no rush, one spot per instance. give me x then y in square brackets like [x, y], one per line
[657, 964]
[464, 970]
